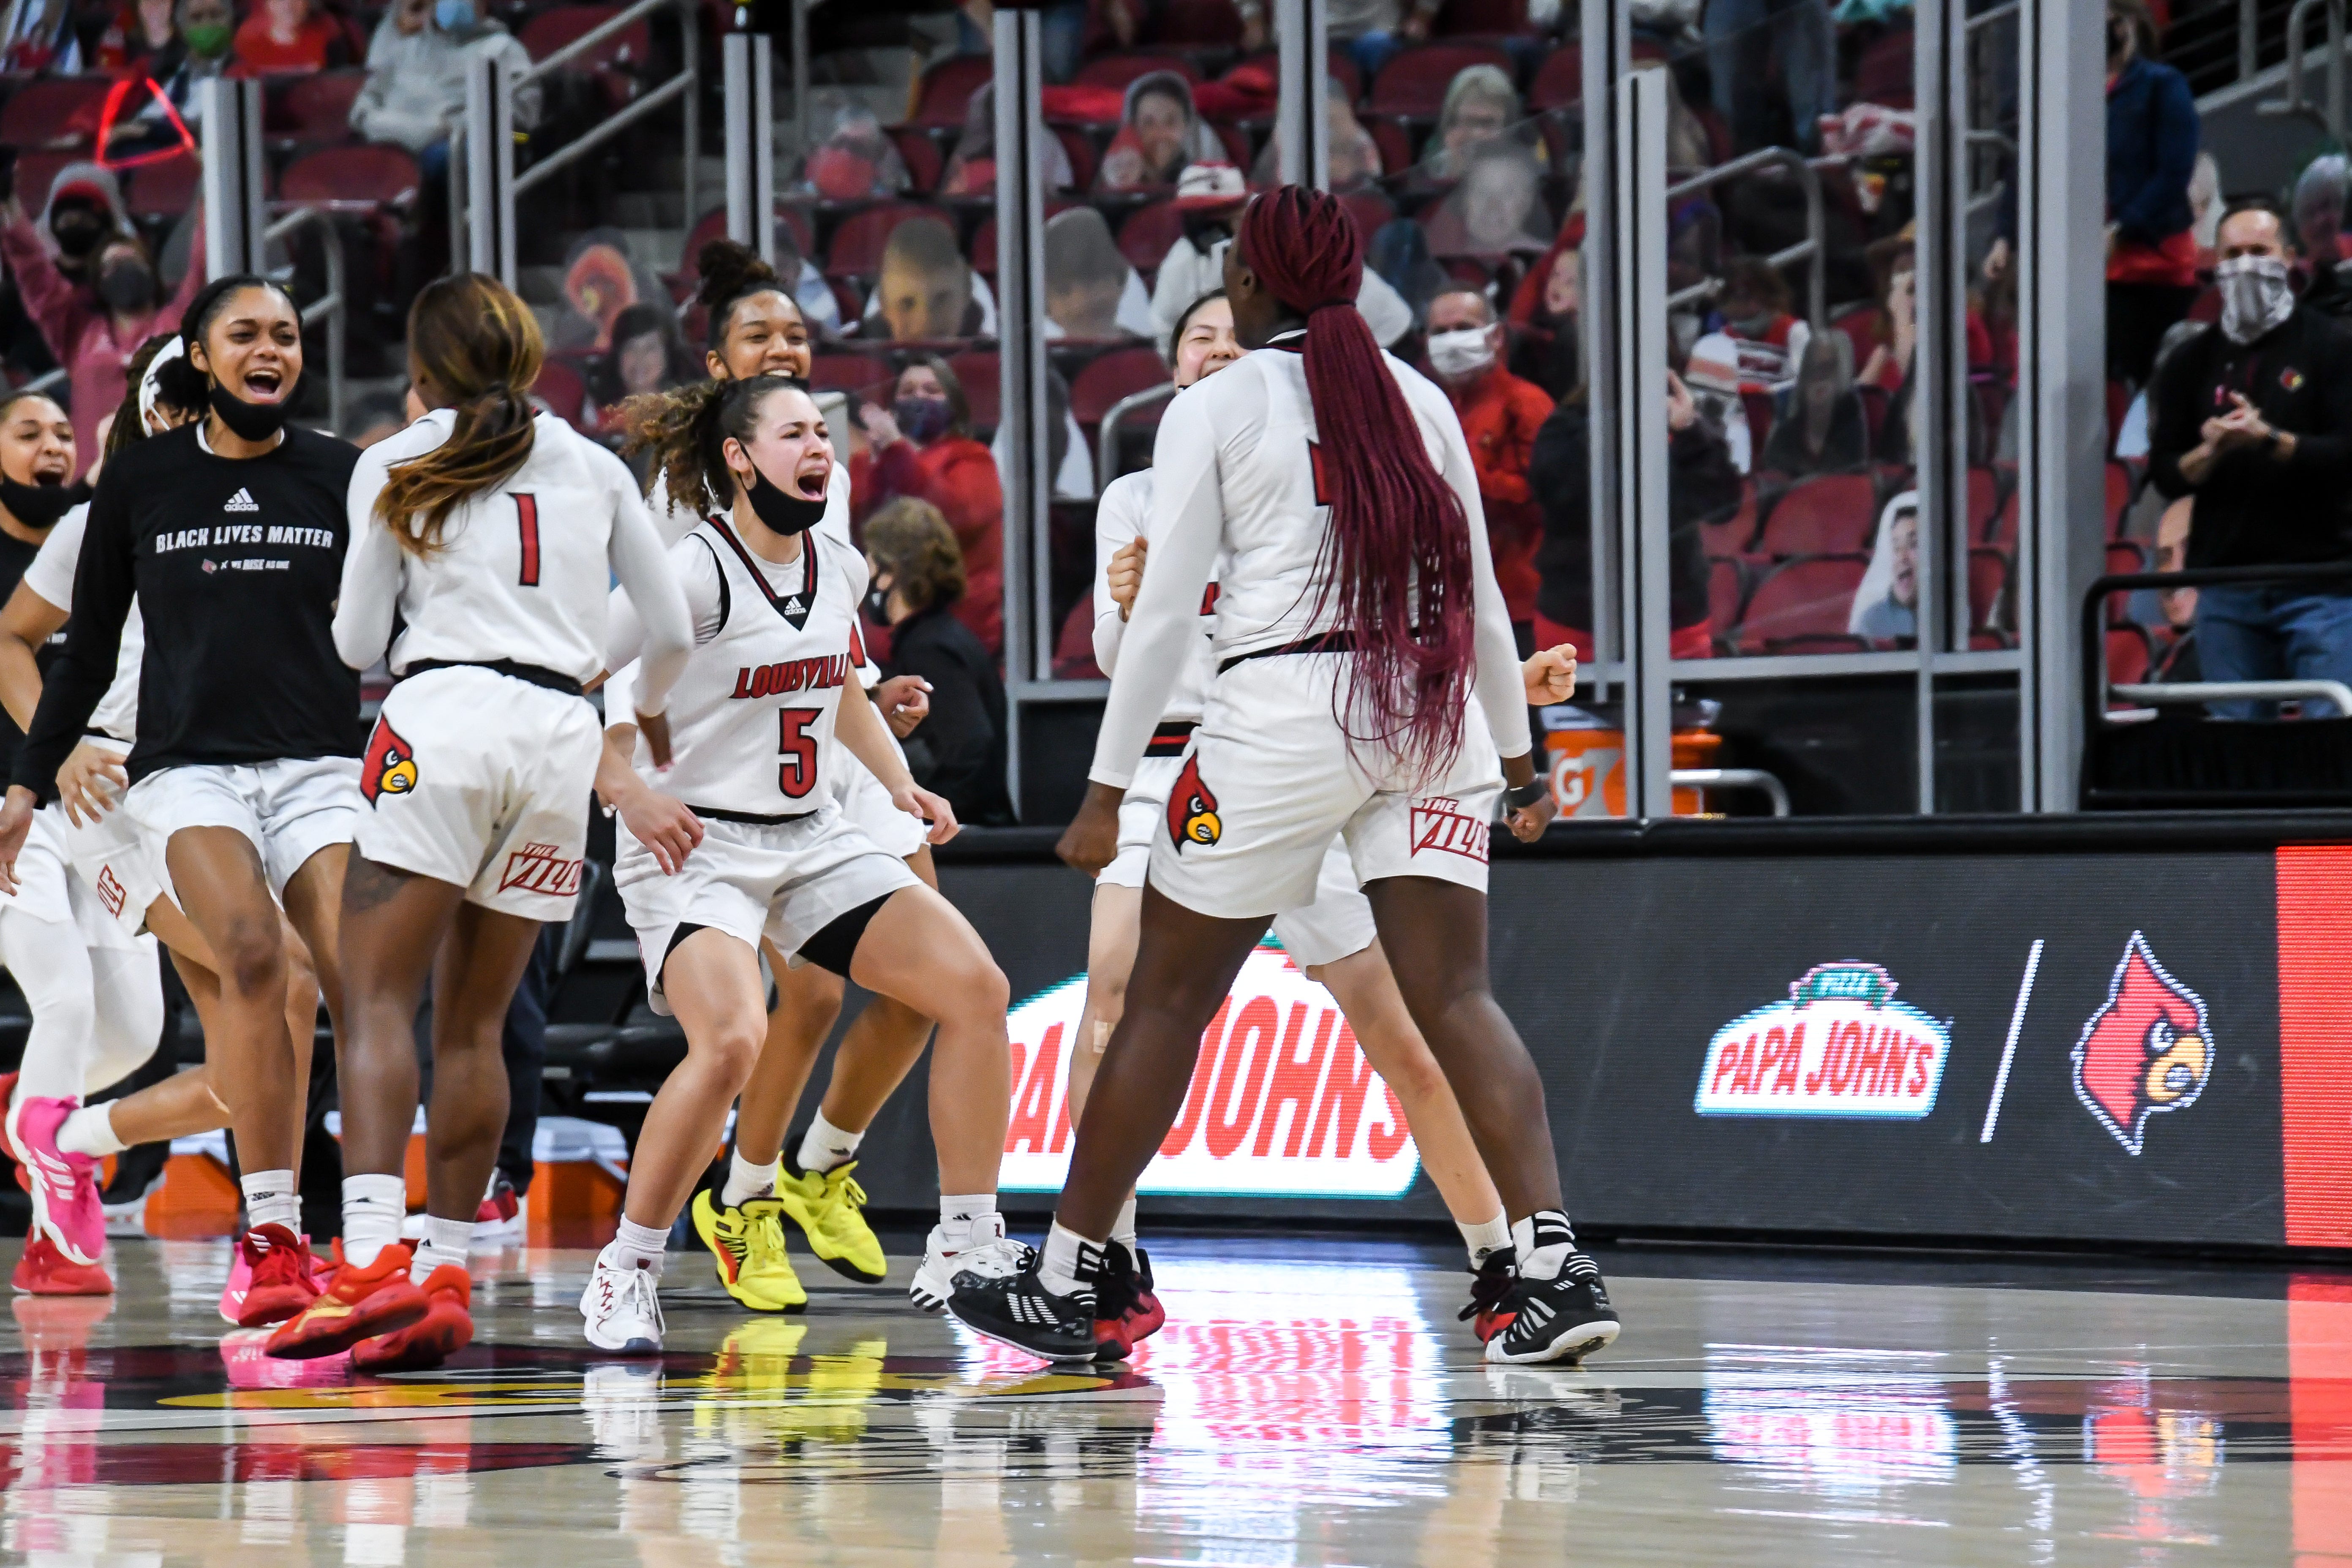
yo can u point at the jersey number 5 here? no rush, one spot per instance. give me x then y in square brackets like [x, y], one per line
[796, 774]
[527, 518]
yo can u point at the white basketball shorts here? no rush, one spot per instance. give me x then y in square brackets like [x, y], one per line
[1143, 814]
[1338, 924]
[119, 863]
[867, 804]
[482, 781]
[289, 810]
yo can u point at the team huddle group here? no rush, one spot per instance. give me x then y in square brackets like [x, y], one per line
[1308, 651]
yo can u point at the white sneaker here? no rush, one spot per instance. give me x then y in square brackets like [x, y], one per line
[622, 1307]
[992, 1255]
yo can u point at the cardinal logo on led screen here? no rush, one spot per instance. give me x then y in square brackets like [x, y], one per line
[2147, 1050]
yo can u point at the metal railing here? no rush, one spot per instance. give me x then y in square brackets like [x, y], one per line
[1106, 433]
[2298, 25]
[683, 85]
[1809, 249]
[1704, 779]
[333, 306]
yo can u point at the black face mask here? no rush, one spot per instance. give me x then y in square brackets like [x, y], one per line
[78, 234]
[253, 421]
[40, 506]
[127, 286]
[781, 510]
[878, 606]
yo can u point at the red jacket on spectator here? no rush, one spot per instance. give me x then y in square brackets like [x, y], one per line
[958, 475]
[80, 332]
[1500, 414]
[317, 44]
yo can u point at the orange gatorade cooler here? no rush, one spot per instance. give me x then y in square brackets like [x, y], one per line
[1587, 765]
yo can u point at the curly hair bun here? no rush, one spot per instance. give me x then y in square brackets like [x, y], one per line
[730, 270]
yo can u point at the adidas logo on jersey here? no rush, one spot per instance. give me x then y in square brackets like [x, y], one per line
[241, 502]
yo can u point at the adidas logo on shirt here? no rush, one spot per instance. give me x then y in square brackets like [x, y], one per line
[241, 502]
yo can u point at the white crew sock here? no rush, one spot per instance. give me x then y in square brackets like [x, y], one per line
[1122, 1229]
[271, 1198]
[89, 1130]
[373, 1207]
[746, 1181]
[445, 1241]
[636, 1246]
[1483, 1239]
[823, 1145]
[1071, 1262]
[963, 1221]
[1544, 1240]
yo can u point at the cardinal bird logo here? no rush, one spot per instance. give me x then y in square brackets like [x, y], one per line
[390, 767]
[2147, 1050]
[1192, 809]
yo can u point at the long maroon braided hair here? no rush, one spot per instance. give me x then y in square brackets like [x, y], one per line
[1396, 565]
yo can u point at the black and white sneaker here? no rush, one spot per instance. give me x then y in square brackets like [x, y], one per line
[1016, 1309]
[1491, 1284]
[1563, 1319]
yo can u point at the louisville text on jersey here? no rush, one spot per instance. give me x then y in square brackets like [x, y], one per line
[540, 869]
[792, 674]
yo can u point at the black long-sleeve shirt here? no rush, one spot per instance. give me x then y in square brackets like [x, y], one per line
[236, 563]
[1701, 482]
[2253, 509]
[960, 749]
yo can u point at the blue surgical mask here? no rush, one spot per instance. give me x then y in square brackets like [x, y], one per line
[922, 420]
[453, 15]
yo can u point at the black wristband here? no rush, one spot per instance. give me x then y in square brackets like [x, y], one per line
[1525, 794]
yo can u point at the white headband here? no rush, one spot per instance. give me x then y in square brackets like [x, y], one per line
[175, 349]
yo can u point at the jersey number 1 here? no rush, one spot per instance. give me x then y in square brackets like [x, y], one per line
[527, 518]
[796, 775]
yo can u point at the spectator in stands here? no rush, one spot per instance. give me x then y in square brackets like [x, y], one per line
[1701, 484]
[914, 563]
[1160, 133]
[416, 90]
[40, 36]
[137, 33]
[83, 211]
[972, 171]
[208, 30]
[856, 160]
[1480, 106]
[2152, 137]
[1355, 157]
[2177, 659]
[1497, 209]
[1756, 316]
[286, 37]
[1545, 348]
[921, 446]
[2253, 417]
[645, 356]
[1500, 415]
[1211, 197]
[810, 291]
[1372, 31]
[924, 289]
[1821, 430]
[1886, 602]
[1742, 37]
[1090, 290]
[93, 335]
[2319, 201]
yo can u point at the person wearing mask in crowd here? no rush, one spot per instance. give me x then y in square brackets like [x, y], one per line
[1886, 602]
[415, 91]
[1742, 37]
[1373, 32]
[2152, 137]
[83, 210]
[1161, 131]
[138, 31]
[1355, 156]
[1211, 197]
[1820, 429]
[1769, 339]
[856, 160]
[1500, 416]
[972, 171]
[1090, 290]
[925, 289]
[287, 37]
[1480, 106]
[1497, 210]
[2319, 201]
[2253, 417]
[1701, 482]
[919, 589]
[921, 446]
[93, 338]
[201, 52]
[41, 36]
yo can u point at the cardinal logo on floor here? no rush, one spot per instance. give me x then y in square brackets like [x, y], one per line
[2147, 1050]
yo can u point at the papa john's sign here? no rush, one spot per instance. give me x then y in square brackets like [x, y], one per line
[1282, 1104]
[1840, 1046]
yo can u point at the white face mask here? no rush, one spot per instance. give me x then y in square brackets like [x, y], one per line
[2255, 296]
[1461, 353]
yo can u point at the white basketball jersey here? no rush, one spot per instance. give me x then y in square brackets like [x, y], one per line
[1123, 512]
[51, 576]
[750, 721]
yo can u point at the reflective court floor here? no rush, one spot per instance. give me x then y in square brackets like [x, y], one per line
[1310, 1401]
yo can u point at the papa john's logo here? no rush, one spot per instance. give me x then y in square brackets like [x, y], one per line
[2147, 1050]
[540, 869]
[1192, 809]
[390, 765]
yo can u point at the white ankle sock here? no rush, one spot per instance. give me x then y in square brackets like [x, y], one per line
[1481, 1239]
[1071, 1262]
[636, 1246]
[445, 1241]
[1122, 1229]
[1544, 1240]
[746, 1181]
[823, 1145]
[89, 1130]
[963, 1221]
[271, 1198]
[373, 1207]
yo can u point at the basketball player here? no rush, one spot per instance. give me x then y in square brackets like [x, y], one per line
[230, 533]
[1365, 660]
[750, 844]
[756, 329]
[493, 535]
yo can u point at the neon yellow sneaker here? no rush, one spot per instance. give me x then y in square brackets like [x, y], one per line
[748, 1244]
[829, 1206]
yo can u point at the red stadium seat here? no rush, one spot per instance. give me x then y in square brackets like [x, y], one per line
[1148, 234]
[1829, 514]
[983, 384]
[372, 173]
[56, 111]
[1875, 406]
[983, 248]
[1560, 80]
[1370, 210]
[312, 109]
[1735, 533]
[2126, 556]
[1118, 70]
[1074, 650]
[1801, 600]
[1984, 500]
[1197, 25]
[562, 388]
[37, 172]
[1482, 19]
[1759, 407]
[946, 89]
[921, 154]
[1412, 86]
[2003, 530]
[856, 247]
[1395, 144]
[1342, 63]
[1109, 377]
[1987, 582]
[2119, 405]
[1883, 73]
[2128, 656]
[1080, 147]
[552, 30]
[851, 374]
[2120, 490]
[1727, 591]
[162, 189]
